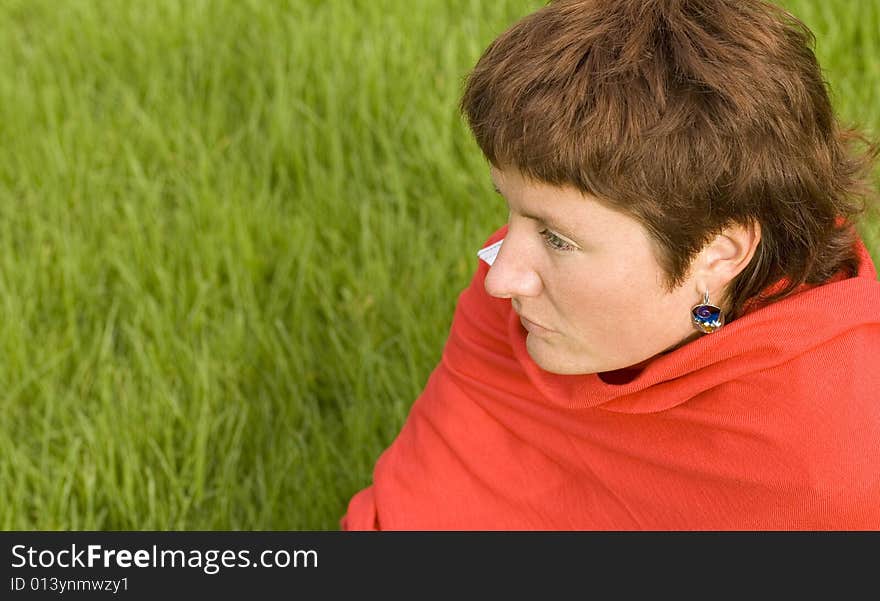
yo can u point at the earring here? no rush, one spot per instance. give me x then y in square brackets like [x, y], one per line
[707, 318]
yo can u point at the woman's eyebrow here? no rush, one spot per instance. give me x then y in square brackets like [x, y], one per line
[553, 225]
[549, 222]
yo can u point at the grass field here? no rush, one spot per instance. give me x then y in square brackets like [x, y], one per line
[232, 234]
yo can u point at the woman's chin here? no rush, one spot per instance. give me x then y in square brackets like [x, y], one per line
[551, 358]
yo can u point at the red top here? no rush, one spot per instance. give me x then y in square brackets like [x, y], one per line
[772, 422]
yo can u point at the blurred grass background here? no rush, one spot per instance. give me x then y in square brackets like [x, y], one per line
[232, 233]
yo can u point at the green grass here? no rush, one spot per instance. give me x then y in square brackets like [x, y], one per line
[232, 234]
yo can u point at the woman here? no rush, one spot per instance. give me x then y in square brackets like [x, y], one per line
[678, 328]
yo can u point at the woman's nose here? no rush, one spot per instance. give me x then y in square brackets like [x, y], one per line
[513, 275]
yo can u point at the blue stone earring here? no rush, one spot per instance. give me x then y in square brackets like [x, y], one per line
[707, 318]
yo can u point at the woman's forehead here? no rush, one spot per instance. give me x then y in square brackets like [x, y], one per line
[572, 211]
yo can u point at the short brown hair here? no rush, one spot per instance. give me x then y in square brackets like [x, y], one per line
[688, 115]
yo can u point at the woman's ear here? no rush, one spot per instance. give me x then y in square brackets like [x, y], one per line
[726, 256]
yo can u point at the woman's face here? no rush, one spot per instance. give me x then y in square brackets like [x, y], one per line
[584, 281]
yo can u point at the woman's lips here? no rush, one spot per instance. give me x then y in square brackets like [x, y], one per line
[533, 328]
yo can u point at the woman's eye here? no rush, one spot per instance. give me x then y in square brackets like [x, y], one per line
[555, 242]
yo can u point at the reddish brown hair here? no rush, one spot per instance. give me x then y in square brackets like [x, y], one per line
[688, 115]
